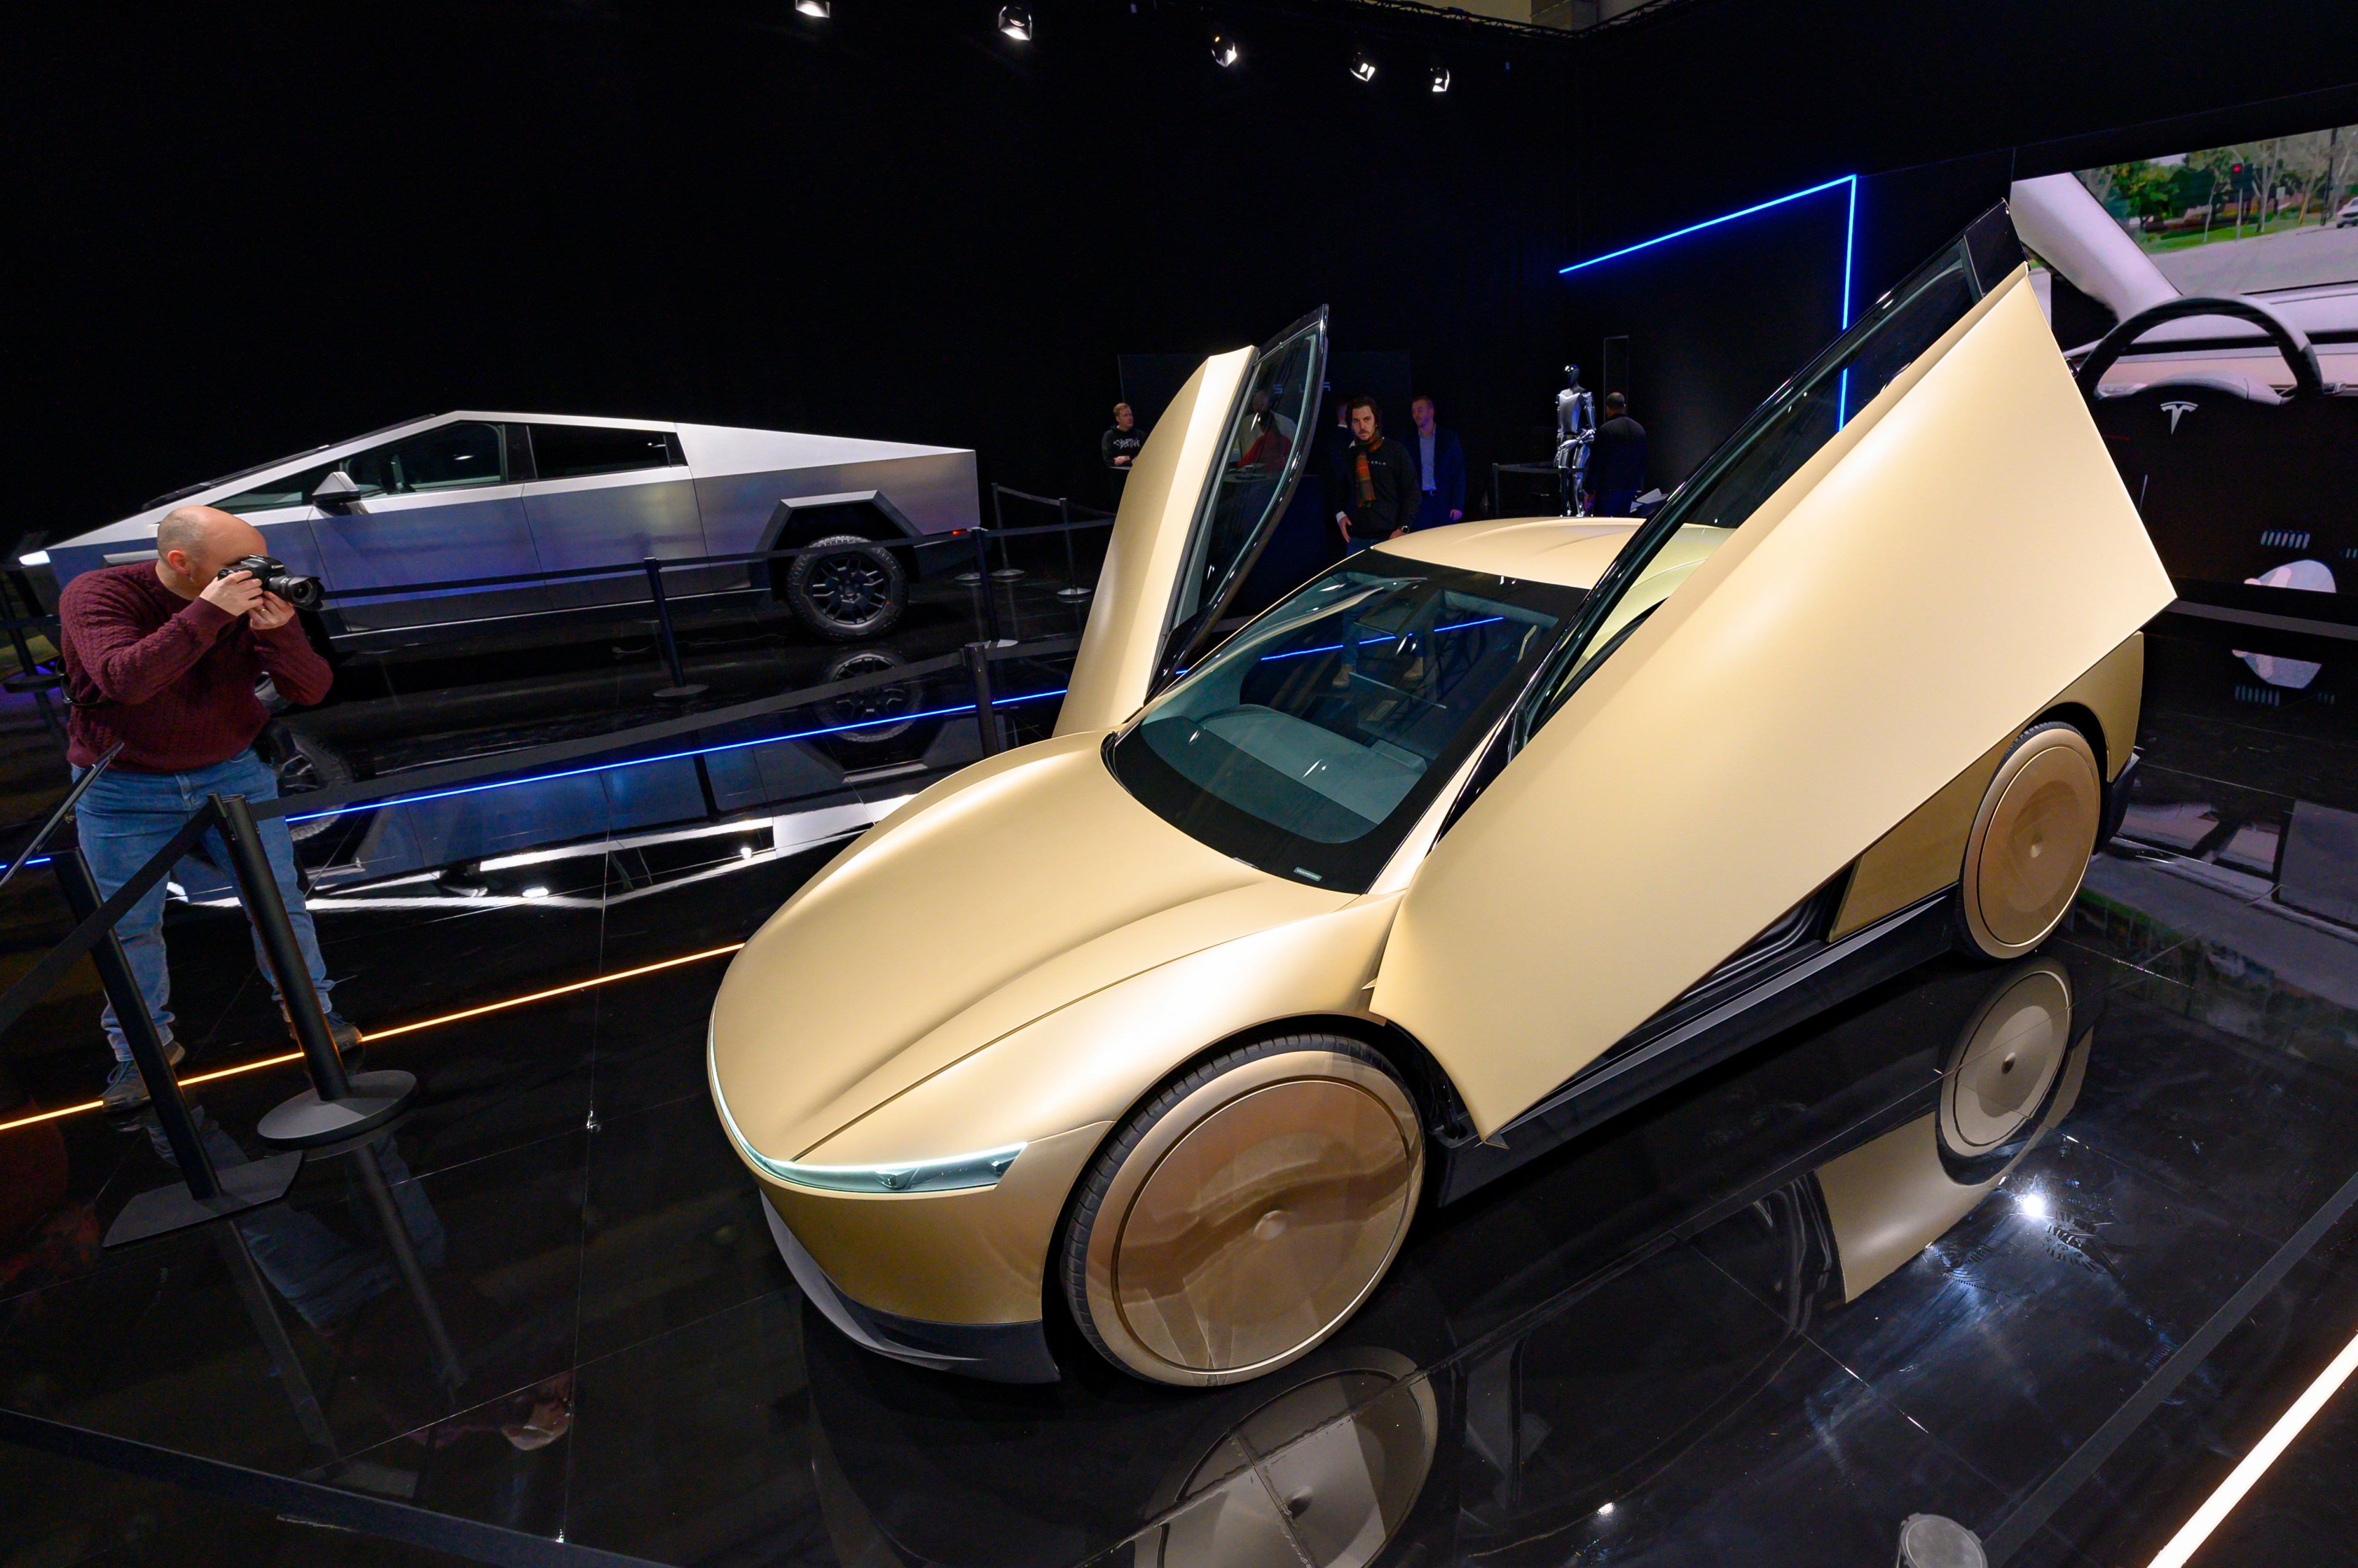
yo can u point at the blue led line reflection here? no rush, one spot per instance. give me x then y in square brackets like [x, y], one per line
[1850, 242]
[1371, 642]
[675, 756]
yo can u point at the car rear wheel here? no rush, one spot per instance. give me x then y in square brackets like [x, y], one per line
[842, 594]
[1242, 1214]
[2030, 841]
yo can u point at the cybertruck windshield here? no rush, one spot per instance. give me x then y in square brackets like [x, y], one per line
[1309, 742]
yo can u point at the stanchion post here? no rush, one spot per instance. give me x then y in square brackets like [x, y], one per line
[204, 1193]
[981, 579]
[397, 1241]
[122, 988]
[1072, 588]
[986, 715]
[26, 677]
[338, 1105]
[680, 687]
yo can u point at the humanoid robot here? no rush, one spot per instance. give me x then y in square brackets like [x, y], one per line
[1576, 433]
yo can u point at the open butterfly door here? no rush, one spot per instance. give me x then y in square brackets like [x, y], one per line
[1200, 504]
[1909, 552]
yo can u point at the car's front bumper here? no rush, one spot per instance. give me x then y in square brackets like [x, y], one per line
[998, 1352]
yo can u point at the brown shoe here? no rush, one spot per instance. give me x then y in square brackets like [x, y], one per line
[342, 1030]
[126, 1090]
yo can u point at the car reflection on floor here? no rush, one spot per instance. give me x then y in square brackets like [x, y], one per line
[1511, 1418]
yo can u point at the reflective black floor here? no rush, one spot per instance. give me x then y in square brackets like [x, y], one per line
[1760, 1321]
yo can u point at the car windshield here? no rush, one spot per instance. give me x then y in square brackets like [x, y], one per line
[1309, 742]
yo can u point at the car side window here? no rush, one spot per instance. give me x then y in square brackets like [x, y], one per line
[463, 456]
[287, 489]
[573, 451]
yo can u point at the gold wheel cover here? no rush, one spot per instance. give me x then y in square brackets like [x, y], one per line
[2031, 841]
[2006, 1059]
[1253, 1218]
[1343, 1455]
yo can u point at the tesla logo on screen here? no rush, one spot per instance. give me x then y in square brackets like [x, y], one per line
[2176, 411]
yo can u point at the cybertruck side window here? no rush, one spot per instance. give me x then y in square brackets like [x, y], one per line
[1781, 434]
[449, 457]
[1310, 742]
[575, 452]
[287, 489]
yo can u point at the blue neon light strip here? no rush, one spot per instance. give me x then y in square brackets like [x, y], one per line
[1850, 243]
[1849, 180]
[674, 756]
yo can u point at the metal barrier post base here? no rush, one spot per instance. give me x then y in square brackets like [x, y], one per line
[172, 1208]
[307, 1119]
[680, 693]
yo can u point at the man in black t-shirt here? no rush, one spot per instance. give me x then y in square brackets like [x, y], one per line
[1118, 447]
[1617, 468]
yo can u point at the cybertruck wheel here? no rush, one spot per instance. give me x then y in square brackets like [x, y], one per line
[302, 762]
[1242, 1214]
[874, 714]
[2030, 841]
[858, 591]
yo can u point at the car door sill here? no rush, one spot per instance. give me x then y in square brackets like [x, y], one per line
[1826, 976]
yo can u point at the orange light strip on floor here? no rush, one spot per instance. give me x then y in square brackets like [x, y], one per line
[403, 1029]
[559, 991]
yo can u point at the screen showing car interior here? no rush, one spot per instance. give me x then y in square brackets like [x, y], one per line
[1309, 742]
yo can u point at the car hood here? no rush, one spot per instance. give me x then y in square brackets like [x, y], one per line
[994, 898]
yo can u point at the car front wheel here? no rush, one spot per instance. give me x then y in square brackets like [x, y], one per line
[858, 590]
[1241, 1214]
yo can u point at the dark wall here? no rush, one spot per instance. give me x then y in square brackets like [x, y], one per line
[243, 231]
[1715, 321]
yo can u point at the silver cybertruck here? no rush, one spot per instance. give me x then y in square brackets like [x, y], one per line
[468, 495]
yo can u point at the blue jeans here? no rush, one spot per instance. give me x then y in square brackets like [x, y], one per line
[127, 816]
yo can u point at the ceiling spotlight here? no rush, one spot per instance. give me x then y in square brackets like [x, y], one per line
[1439, 76]
[1015, 21]
[1224, 50]
[822, 9]
[1362, 67]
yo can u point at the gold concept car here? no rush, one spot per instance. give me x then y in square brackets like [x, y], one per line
[1467, 844]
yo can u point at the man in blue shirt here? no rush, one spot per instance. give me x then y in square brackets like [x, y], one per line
[1440, 469]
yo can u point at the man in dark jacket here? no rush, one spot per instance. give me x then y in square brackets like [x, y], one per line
[1617, 471]
[1440, 469]
[162, 656]
[1380, 487]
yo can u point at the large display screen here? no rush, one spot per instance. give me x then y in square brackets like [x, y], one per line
[2250, 218]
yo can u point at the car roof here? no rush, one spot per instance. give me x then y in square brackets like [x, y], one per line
[1571, 551]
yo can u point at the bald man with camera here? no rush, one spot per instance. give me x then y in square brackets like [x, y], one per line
[163, 657]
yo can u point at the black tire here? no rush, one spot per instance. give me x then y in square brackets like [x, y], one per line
[1368, 1174]
[859, 591]
[876, 711]
[303, 762]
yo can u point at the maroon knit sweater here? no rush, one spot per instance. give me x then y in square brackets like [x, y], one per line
[171, 678]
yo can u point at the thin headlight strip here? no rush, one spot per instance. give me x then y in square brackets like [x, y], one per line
[956, 1173]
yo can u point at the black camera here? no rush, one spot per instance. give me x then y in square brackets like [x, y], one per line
[302, 592]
